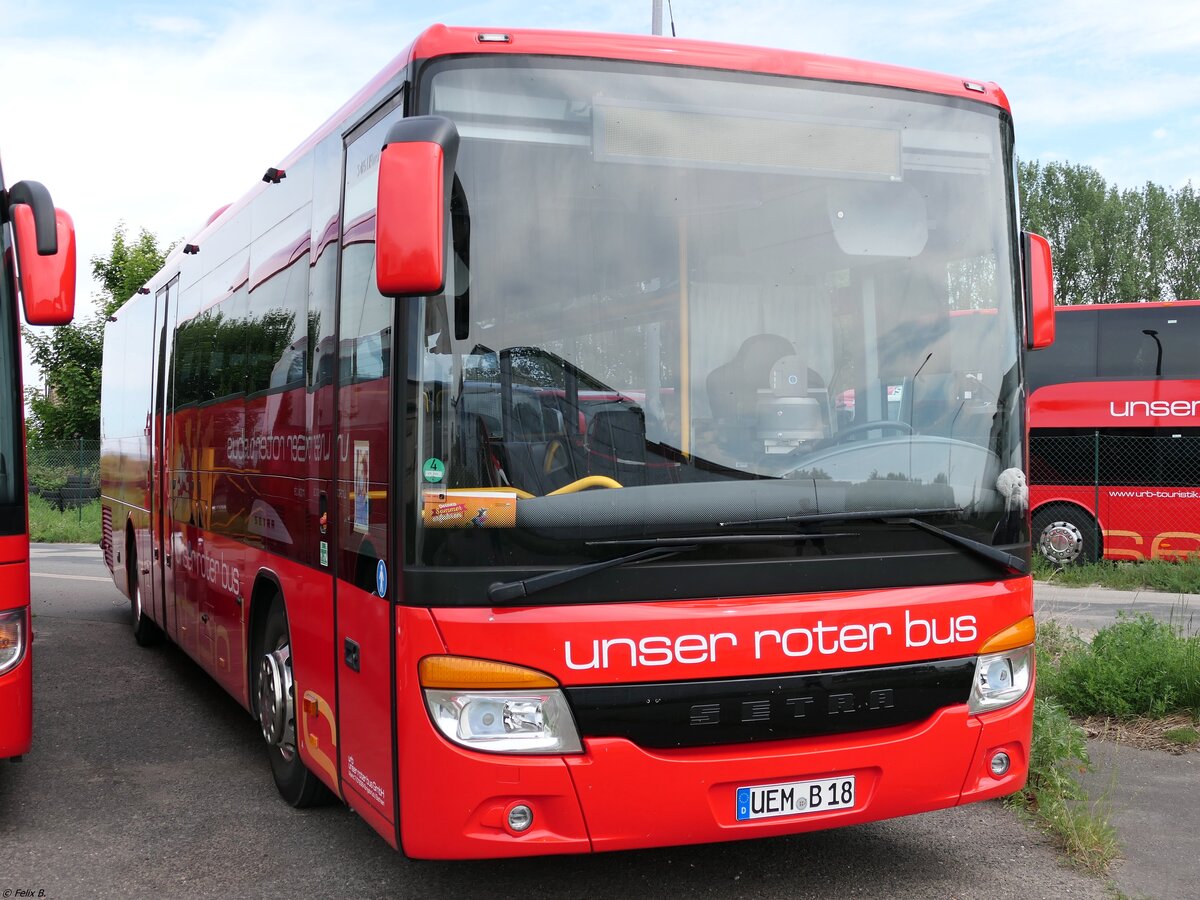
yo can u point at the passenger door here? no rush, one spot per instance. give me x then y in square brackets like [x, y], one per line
[363, 503]
[166, 300]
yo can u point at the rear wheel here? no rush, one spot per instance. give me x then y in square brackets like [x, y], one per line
[145, 632]
[1065, 534]
[275, 700]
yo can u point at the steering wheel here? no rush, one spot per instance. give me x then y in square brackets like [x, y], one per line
[881, 425]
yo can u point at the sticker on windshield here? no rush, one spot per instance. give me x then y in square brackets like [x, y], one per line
[433, 470]
[362, 486]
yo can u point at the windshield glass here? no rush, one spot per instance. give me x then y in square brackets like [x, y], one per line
[682, 303]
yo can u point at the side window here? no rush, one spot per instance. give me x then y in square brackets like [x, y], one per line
[365, 408]
[1123, 350]
[1072, 356]
[1178, 332]
[229, 359]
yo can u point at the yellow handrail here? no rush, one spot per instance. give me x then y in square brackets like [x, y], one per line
[583, 484]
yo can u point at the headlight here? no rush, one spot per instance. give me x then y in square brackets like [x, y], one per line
[497, 707]
[12, 638]
[1001, 679]
[505, 722]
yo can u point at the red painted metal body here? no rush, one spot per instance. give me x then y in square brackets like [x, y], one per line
[620, 796]
[16, 685]
[1146, 514]
[39, 241]
[229, 500]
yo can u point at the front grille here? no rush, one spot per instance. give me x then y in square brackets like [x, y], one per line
[741, 710]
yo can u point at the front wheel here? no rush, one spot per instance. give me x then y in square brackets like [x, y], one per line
[275, 699]
[1065, 535]
[145, 632]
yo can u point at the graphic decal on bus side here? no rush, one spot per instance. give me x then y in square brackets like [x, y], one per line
[362, 482]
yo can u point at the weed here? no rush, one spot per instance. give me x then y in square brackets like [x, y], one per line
[47, 524]
[1134, 667]
[1055, 799]
[1182, 577]
[1184, 737]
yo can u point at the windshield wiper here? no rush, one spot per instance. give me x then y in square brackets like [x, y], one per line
[724, 539]
[1010, 563]
[856, 515]
[508, 591]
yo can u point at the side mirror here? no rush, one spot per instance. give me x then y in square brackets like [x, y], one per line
[416, 173]
[1039, 291]
[45, 245]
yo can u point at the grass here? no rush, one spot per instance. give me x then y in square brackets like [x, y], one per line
[48, 525]
[1054, 798]
[1155, 574]
[1183, 737]
[1136, 667]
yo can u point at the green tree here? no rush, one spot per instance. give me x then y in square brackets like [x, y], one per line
[70, 357]
[1183, 268]
[1111, 245]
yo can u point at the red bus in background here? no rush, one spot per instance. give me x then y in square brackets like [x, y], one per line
[38, 264]
[1114, 416]
[488, 451]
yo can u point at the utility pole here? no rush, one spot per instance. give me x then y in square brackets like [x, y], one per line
[656, 17]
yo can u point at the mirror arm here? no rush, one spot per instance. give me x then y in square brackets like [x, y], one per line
[35, 195]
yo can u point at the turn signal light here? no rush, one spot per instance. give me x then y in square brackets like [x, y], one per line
[1022, 634]
[467, 673]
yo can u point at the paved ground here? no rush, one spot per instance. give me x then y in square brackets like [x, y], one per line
[1089, 609]
[1152, 797]
[147, 780]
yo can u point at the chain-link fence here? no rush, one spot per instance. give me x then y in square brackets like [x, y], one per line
[64, 473]
[1136, 496]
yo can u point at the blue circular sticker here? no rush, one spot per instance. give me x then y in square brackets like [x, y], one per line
[381, 579]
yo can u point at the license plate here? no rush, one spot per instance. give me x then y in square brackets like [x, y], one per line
[794, 798]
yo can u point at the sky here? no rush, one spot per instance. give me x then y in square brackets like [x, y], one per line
[156, 114]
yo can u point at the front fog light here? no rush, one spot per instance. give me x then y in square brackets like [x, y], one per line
[1000, 764]
[520, 817]
[1001, 679]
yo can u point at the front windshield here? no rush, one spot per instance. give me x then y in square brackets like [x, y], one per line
[685, 304]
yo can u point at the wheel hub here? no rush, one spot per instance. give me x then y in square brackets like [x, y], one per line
[1061, 542]
[276, 704]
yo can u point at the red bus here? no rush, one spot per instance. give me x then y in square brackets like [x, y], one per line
[1114, 415]
[487, 450]
[39, 265]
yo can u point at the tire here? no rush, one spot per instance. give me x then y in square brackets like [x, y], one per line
[274, 697]
[1065, 535]
[145, 632]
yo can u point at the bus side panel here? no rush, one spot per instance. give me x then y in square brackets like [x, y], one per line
[125, 425]
[309, 598]
[16, 686]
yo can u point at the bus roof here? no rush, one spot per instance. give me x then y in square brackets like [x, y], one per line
[1155, 304]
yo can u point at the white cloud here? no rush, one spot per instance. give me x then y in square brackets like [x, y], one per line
[180, 114]
[172, 25]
